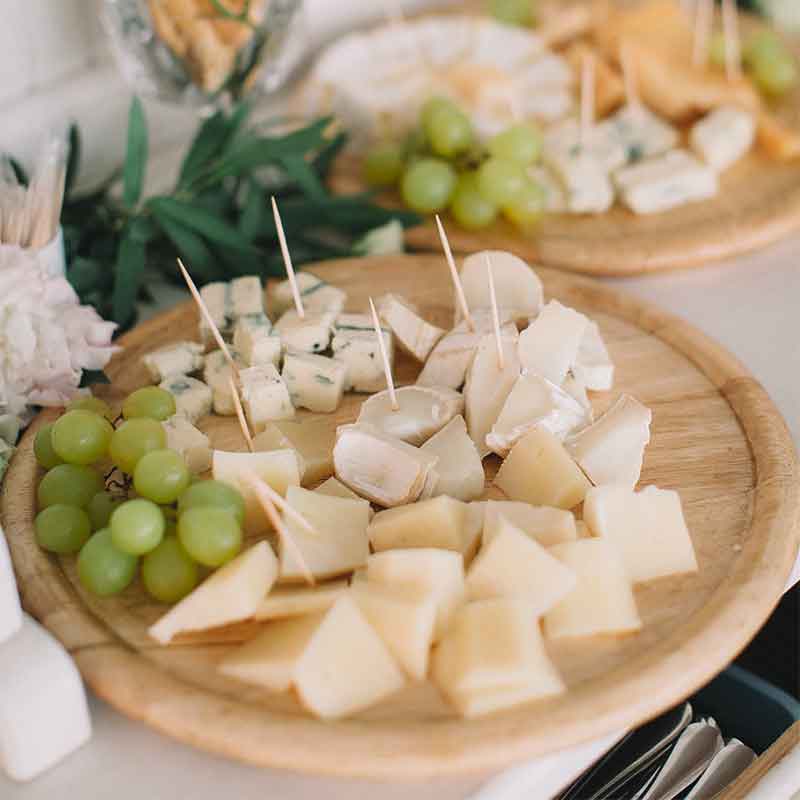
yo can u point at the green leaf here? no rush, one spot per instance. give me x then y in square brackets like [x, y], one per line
[128, 272]
[301, 172]
[73, 158]
[327, 155]
[136, 155]
[85, 274]
[18, 170]
[252, 212]
[92, 377]
[199, 259]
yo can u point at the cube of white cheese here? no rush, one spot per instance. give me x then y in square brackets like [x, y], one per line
[592, 366]
[226, 302]
[437, 522]
[216, 297]
[312, 441]
[723, 136]
[563, 143]
[258, 344]
[44, 715]
[585, 180]
[314, 382]
[283, 602]
[354, 344]
[544, 524]
[665, 182]
[187, 440]
[179, 358]
[193, 398]
[638, 131]
[555, 199]
[217, 374]
[316, 294]
[246, 297]
[265, 396]
[414, 335]
[460, 470]
[308, 334]
[10, 609]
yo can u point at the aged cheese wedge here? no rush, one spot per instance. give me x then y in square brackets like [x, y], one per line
[231, 594]
[512, 564]
[414, 335]
[265, 396]
[473, 530]
[548, 347]
[602, 601]
[256, 341]
[339, 544]
[308, 334]
[317, 295]
[178, 358]
[723, 136]
[545, 525]
[295, 601]
[646, 528]
[10, 609]
[423, 411]
[460, 471]
[404, 618]
[346, 666]
[187, 440]
[592, 368]
[381, 468]
[314, 382]
[438, 522]
[539, 471]
[312, 440]
[193, 399]
[217, 374]
[611, 450]
[534, 402]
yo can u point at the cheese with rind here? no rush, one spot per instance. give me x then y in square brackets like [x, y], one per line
[314, 382]
[193, 398]
[460, 470]
[312, 440]
[178, 358]
[438, 523]
[414, 335]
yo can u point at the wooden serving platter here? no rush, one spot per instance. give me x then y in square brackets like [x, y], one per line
[717, 438]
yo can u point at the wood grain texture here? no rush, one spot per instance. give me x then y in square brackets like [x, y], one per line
[716, 437]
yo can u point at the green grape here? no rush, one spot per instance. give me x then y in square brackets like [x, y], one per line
[101, 506]
[43, 448]
[150, 401]
[431, 107]
[69, 485]
[527, 207]
[212, 536]
[161, 476]
[213, 493]
[514, 12]
[470, 209]
[90, 403]
[775, 74]
[449, 132]
[499, 180]
[717, 50]
[383, 165]
[133, 439]
[521, 144]
[137, 526]
[762, 44]
[81, 437]
[168, 573]
[427, 185]
[62, 529]
[102, 568]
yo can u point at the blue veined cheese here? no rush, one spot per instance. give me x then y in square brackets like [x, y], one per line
[265, 396]
[724, 136]
[193, 398]
[314, 382]
[555, 200]
[639, 132]
[255, 339]
[585, 179]
[563, 142]
[309, 334]
[356, 345]
[317, 295]
[246, 297]
[665, 182]
[414, 335]
[227, 302]
[190, 442]
[217, 299]
[217, 374]
[178, 358]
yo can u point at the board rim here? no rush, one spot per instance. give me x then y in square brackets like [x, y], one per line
[453, 747]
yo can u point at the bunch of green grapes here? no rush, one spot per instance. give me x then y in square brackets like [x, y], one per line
[443, 166]
[152, 516]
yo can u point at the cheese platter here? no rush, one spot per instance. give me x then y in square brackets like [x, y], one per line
[725, 508]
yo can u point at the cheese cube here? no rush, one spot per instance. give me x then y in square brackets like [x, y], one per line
[585, 180]
[639, 132]
[216, 297]
[429, 523]
[317, 295]
[602, 601]
[231, 594]
[246, 297]
[227, 302]
[308, 334]
[346, 667]
[545, 525]
[555, 200]
[296, 601]
[611, 450]
[646, 528]
[44, 715]
[414, 335]
[723, 136]
[187, 440]
[422, 412]
[577, 391]
[193, 398]
[473, 530]
[548, 347]
[255, 340]
[340, 542]
[460, 471]
[604, 146]
[312, 440]
[314, 382]
[592, 366]
[354, 344]
[265, 396]
[665, 182]
[539, 471]
[534, 402]
[10, 609]
[335, 488]
[178, 358]
[217, 374]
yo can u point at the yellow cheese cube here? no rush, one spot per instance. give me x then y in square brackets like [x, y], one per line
[438, 522]
[311, 439]
[548, 526]
[295, 601]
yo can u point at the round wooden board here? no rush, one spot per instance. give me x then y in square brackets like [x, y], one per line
[717, 439]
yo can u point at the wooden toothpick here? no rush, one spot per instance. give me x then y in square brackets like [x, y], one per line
[629, 77]
[448, 254]
[209, 319]
[237, 404]
[501, 361]
[387, 367]
[733, 47]
[703, 23]
[587, 98]
[287, 261]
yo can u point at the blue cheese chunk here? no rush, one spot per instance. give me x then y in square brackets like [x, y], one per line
[178, 358]
[216, 296]
[217, 373]
[265, 396]
[723, 137]
[190, 442]
[309, 334]
[255, 339]
[245, 297]
[563, 142]
[585, 179]
[193, 398]
[639, 132]
[314, 382]
[318, 296]
[227, 302]
[414, 335]
[356, 346]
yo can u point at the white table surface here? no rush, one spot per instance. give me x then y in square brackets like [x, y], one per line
[750, 305]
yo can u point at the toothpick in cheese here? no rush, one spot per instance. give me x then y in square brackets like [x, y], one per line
[448, 254]
[240, 414]
[287, 260]
[387, 367]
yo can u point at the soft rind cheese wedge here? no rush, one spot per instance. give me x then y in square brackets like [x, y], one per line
[314, 382]
[577, 390]
[346, 667]
[317, 295]
[423, 411]
[255, 340]
[339, 544]
[535, 402]
[297, 601]
[231, 594]
[265, 396]
[190, 442]
[539, 471]
[611, 450]
[543, 524]
[414, 335]
[193, 398]
[602, 601]
[44, 715]
[723, 136]
[178, 358]
[438, 523]
[460, 470]
[312, 440]
[308, 334]
[10, 609]
[592, 367]
[646, 528]
[217, 374]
